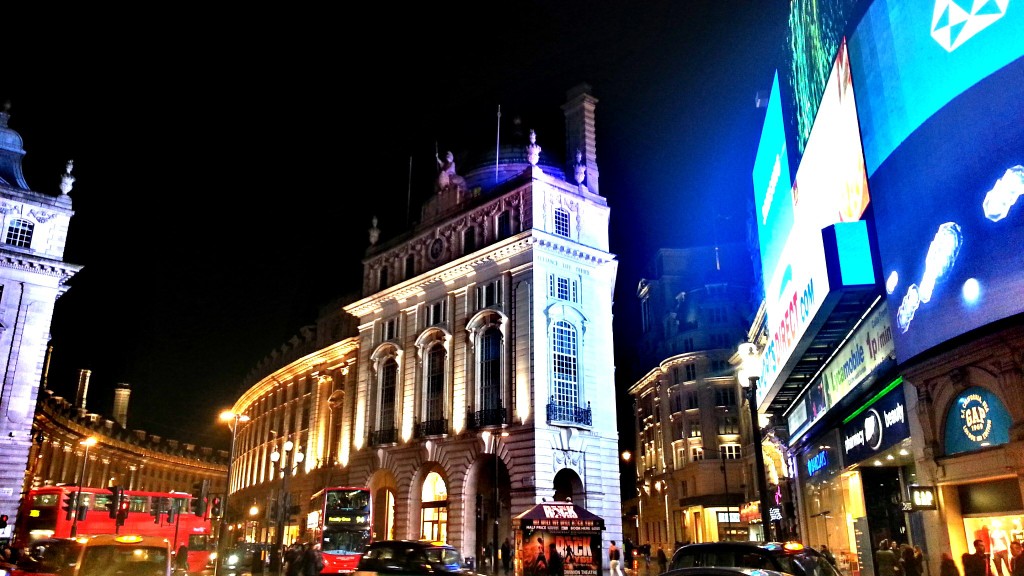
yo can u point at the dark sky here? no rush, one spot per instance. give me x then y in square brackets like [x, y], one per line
[228, 165]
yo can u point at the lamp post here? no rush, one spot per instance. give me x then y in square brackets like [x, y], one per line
[290, 459]
[234, 419]
[90, 441]
[749, 374]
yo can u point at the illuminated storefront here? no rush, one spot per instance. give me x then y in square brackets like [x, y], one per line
[855, 479]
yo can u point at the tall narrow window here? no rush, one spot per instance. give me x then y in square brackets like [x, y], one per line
[469, 240]
[388, 385]
[562, 222]
[19, 233]
[504, 225]
[435, 384]
[383, 278]
[490, 369]
[566, 381]
[410, 266]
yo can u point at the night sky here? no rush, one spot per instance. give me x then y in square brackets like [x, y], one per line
[228, 165]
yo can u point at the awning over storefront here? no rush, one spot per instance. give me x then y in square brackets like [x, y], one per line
[560, 517]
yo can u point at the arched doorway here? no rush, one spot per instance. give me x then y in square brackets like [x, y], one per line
[434, 508]
[569, 487]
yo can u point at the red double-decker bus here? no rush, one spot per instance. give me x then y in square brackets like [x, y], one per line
[43, 515]
[344, 527]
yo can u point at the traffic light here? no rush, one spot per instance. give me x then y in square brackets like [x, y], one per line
[70, 507]
[115, 501]
[215, 507]
[155, 510]
[199, 497]
[3, 521]
[122, 513]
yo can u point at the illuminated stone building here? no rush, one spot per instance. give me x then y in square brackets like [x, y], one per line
[132, 459]
[33, 274]
[693, 446]
[480, 376]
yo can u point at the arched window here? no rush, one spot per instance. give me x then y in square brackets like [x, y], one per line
[490, 369]
[566, 378]
[434, 405]
[388, 389]
[562, 222]
[19, 233]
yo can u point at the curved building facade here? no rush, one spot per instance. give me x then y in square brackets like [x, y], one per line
[478, 380]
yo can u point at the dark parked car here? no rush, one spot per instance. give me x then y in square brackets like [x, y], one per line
[789, 557]
[411, 558]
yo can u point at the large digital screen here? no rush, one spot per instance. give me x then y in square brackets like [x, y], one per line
[772, 185]
[947, 146]
[830, 187]
[911, 58]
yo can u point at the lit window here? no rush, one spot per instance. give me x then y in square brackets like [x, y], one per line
[388, 386]
[490, 368]
[566, 379]
[562, 222]
[19, 233]
[434, 409]
[696, 453]
[730, 451]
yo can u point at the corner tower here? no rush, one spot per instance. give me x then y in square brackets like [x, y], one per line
[485, 379]
[33, 274]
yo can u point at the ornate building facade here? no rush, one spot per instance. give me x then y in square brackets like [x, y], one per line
[480, 375]
[694, 461]
[33, 274]
[132, 459]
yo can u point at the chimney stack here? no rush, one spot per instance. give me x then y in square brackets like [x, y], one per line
[121, 393]
[580, 133]
[83, 389]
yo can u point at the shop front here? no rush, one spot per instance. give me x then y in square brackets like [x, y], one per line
[985, 502]
[855, 478]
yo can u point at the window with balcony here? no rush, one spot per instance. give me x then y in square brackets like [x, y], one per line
[433, 421]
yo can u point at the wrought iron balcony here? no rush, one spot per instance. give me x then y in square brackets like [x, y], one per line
[385, 436]
[432, 428]
[568, 414]
[487, 418]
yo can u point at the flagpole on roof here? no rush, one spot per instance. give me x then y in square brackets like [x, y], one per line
[497, 146]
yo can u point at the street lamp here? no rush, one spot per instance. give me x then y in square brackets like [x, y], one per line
[284, 502]
[749, 374]
[90, 441]
[234, 419]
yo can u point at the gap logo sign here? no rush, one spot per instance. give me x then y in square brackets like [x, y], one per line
[875, 427]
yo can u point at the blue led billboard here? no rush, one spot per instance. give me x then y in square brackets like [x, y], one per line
[911, 58]
[772, 183]
[941, 124]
